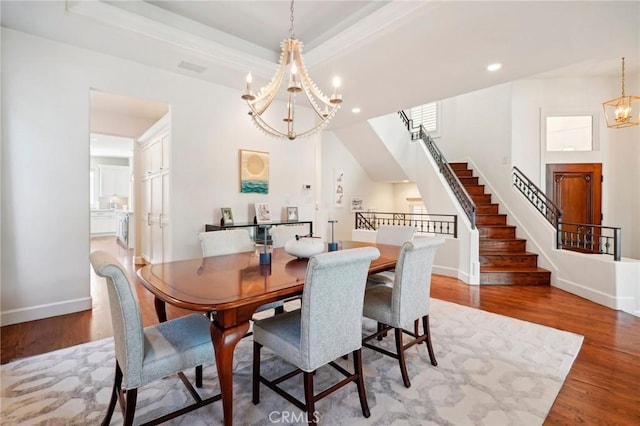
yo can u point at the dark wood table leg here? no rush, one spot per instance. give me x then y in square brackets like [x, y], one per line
[161, 309]
[224, 343]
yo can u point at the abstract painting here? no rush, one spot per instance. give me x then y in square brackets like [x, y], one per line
[254, 171]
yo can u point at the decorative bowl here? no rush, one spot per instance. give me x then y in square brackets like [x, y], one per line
[304, 247]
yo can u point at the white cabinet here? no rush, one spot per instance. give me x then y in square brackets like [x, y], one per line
[103, 222]
[154, 203]
[114, 181]
[155, 154]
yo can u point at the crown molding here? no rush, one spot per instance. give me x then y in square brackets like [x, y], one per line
[208, 50]
[364, 31]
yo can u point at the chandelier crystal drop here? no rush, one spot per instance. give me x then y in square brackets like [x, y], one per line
[298, 83]
[623, 111]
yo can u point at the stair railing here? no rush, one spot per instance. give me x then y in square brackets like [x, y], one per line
[581, 237]
[536, 197]
[461, 194]
[441, 224]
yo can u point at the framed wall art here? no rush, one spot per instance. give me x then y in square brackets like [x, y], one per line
[357, 205]
[254, 171]
[338, 188]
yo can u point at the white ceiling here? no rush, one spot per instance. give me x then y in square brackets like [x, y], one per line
[390, 55]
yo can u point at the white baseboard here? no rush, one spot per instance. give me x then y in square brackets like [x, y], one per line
[32, 313]
[587, 293]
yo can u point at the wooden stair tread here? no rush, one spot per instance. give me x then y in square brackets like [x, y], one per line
[527, 269]
[511, 253]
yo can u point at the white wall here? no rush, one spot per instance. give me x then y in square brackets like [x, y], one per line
[45, 163]
[375, 195]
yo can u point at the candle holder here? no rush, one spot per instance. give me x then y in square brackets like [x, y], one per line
[333, 246]
[265, 256]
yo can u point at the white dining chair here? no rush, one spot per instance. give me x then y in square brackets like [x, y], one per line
[393, 235]
[229, 241]
[281, 234]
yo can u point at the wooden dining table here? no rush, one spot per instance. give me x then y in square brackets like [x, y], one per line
[230, 288]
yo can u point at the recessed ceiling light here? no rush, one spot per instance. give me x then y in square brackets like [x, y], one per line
[494, 67]
[355, 110]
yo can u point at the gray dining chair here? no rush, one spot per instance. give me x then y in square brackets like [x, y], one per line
[393, 235]
[144, 355]
[406, 302]
[327, 326]
[229, 241]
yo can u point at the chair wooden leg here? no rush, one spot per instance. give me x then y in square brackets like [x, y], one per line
[401, 361]
[427, 331]
[132, 397]
[309, 397]
[380, 327]
[199, 376]
[416, 328]
[117, 382]
[357, 366]
[256, 373]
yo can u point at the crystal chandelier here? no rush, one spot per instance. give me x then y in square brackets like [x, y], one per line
[623, 111]
[291, 65]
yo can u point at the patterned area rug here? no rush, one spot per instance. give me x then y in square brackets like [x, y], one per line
[492, 370]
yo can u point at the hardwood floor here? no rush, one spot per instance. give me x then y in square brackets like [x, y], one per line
[603, 387]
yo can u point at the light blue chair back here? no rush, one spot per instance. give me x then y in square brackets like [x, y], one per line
[125, 317]
[412, 283]
[332, 300]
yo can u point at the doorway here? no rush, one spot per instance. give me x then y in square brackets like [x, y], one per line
[116, 121]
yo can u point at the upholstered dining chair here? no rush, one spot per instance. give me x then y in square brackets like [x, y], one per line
[327, 326]
[406, 302]
[394, 235]
[147, 354]
[229, 241]
[283, 233]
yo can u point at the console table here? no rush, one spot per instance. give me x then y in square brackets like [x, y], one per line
[257, 234]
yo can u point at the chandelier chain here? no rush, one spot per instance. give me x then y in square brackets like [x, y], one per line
[622, 74]
[292, 33]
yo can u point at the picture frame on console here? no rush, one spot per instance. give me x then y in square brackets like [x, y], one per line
[227, 216]
[263, 213]
[292, 214]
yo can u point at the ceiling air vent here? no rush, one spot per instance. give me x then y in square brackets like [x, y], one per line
[192, 67]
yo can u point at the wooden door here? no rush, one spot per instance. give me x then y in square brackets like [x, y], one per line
[577, 190]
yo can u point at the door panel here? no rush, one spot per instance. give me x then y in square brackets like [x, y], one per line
[577, 190]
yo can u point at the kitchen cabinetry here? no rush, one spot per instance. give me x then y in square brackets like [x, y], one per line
[155, 180]
[114, 181]
[103, 222]
[125, 228]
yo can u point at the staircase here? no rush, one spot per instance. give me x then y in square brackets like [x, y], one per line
[503, 256]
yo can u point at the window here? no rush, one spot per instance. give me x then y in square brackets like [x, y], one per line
[429, 116]
[569, 133]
